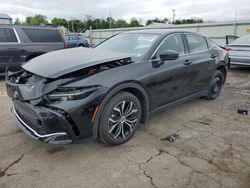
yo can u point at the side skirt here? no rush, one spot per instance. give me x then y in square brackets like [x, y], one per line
[180, 101]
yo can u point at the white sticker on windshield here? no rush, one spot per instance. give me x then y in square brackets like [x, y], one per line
[147, 38]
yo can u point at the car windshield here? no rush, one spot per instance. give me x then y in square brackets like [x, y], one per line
[135, 44]
[242, 40]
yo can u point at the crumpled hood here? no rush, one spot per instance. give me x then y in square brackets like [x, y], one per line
[61, 62]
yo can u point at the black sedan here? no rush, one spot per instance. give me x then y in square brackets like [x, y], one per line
[106, 92]
[239, 51]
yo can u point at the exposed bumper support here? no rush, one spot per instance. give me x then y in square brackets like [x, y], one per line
[54, 138]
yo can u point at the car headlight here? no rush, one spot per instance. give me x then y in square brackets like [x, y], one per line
[67, 94]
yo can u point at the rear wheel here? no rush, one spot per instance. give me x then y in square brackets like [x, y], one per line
[216, 84]
[120, 119]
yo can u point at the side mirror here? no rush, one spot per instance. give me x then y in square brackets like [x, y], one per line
[169, 55]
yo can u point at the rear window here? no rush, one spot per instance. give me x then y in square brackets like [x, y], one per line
[43, 35]
[7, 35]
[242, 40]
[196, 43]
[211, 44]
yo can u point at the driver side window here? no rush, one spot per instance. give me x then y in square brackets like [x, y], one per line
[173, 42]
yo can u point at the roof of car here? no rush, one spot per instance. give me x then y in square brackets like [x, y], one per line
[159, 31]
[5, 16]
[24, 26]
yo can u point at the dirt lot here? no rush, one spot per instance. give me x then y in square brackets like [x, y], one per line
[213, 151]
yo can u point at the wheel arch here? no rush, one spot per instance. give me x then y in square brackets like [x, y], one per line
[136, 89]
[223, 70]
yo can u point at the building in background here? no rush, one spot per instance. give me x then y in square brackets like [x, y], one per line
[5, 19]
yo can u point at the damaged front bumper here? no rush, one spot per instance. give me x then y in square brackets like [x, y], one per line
[43, 124]
[55, 122]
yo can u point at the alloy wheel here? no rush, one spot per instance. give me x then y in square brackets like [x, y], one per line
[123, 120]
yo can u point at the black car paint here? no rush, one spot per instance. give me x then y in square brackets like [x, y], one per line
[156, 87]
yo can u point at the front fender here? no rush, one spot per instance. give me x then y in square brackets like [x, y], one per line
[114, 90]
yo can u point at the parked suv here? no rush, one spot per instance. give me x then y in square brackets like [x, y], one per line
[19, 44]
[72, 41]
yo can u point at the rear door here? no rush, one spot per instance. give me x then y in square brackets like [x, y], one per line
[202, 60]
[169, 82]
[9, 48]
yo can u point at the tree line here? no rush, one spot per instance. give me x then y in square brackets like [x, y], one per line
[76, 25]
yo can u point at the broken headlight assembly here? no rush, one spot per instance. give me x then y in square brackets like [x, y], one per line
[67, 94]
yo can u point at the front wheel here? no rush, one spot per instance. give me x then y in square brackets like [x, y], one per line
[120, 119]
[216, 84]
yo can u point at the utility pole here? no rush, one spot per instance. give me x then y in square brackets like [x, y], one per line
[72, 22]
[235, 16]
[235, 23]
[110, 24]
[174, 15]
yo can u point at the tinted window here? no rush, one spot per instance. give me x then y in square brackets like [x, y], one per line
[7, 35]
[196, 43]
[173, 42]
[242, 40]
[43, 35]
[73, 38]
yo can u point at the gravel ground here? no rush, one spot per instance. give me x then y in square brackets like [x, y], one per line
[213, 149]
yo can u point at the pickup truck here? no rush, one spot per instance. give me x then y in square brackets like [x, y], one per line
[19, 44]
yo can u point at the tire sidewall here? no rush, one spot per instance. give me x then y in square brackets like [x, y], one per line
[217, 74]
[108, 109]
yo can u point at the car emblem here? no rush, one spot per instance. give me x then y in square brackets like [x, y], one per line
[15, 94]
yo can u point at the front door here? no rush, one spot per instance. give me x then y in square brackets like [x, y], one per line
[169, 81]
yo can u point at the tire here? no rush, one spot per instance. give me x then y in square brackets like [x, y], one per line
[215, 85]
[120, 118]
[81, 45]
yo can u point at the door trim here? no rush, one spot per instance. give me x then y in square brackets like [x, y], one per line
[180, 101]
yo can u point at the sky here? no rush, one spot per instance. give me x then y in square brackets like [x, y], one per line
[209, 10]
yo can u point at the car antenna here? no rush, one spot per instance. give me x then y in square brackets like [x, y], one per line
[7, 68]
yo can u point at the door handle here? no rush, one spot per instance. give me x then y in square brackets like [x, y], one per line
[213, 56]
[187, 62]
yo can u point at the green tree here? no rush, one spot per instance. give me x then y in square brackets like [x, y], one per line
[120, 23]
[148, 22]
[17, 22]
[36, 20]
[189, 21]
[97, 23]
[59, 22]
[110, 21]
[134, 23]
[157, 20]
[28, 20]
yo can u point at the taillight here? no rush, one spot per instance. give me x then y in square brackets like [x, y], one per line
[227, 49]
[65, 45]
